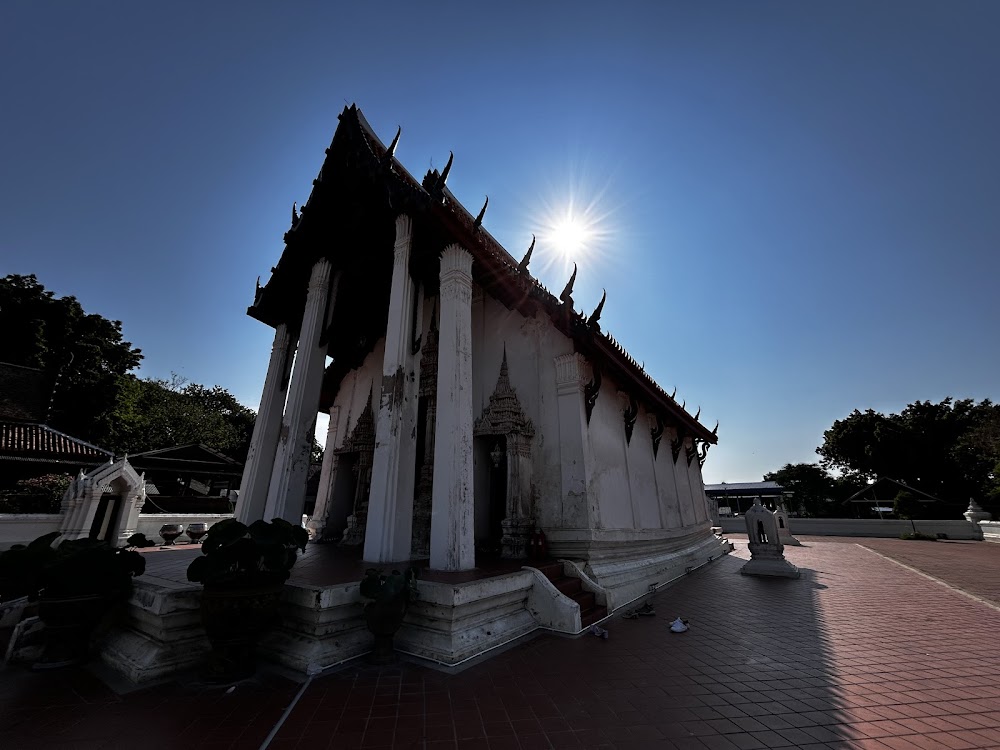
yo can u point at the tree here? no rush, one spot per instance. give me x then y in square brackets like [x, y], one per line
[811, 486]
[906, 507]
[929, 446]
[86, 352]
[154, 413]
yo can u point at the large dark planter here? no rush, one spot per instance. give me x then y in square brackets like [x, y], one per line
[234, 620]
[383, 619]
[69, 623]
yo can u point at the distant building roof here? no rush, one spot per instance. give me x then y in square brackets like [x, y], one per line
[729, 488]
[859, 496]
[40, 443]
[192, 458]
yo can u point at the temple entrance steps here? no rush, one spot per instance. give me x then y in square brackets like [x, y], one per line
[563, 598]
[572, 587]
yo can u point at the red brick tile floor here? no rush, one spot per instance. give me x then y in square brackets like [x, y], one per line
[858, 653]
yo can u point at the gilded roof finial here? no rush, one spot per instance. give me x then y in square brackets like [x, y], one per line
[523, 265]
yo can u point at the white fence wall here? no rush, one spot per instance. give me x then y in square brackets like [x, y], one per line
[21, 528]
[991, 530]
[888, 528]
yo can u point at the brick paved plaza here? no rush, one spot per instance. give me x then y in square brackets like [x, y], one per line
[861, 652]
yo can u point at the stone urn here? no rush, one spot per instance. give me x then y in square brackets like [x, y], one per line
[195, 531]
[170, 531]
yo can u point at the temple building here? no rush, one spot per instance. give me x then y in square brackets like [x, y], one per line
[469, 406]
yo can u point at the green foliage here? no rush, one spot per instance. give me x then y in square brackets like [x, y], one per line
[238, 556]
[947, 449]
[810, 485]
[154, 413]
[57, 336]
[41, 494]
[77, 567]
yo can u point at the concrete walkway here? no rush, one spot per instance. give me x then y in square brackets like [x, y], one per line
[861, 652]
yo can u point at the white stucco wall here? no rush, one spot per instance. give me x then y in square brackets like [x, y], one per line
[354, 389]
[531, 346]
[642, 475]
[607, 473]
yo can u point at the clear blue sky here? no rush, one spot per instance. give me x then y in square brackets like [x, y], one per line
[800, 202]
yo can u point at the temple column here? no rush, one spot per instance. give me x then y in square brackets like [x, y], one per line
[327, 476]
[286, 494]
[570, 378]
[452, 504]
[267, 425]
[390, 502]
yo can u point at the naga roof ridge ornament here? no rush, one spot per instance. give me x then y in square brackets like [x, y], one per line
[630, 415]
[591, 391]
[715, 430]
[656, 433]
[522, 267]
[567, 292]
[482, 212]
[596, 315]
[697, 414]
[295, 216]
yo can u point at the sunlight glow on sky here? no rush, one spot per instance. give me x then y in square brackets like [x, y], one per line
[792, 206]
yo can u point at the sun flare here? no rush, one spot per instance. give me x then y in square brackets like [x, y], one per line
[569, 236]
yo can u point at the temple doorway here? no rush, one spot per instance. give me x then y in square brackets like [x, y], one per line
[108, 518]
[490, 468]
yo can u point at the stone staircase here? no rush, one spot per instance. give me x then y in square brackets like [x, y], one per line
[590, 610]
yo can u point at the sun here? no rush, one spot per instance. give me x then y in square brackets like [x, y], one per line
[569, 236]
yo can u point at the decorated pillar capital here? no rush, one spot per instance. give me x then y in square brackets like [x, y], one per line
[319, 279]
[404, 239]
[572, 370]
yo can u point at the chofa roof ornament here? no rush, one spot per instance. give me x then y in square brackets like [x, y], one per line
[567, 292]
[444, 174]
[522, 267]
[387, 159]
[596, 315]
[482, 212]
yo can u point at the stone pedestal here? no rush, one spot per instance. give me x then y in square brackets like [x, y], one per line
[766, 550]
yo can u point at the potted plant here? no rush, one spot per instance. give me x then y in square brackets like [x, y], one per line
[77, 586]
[243, 570]
[388, 598]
